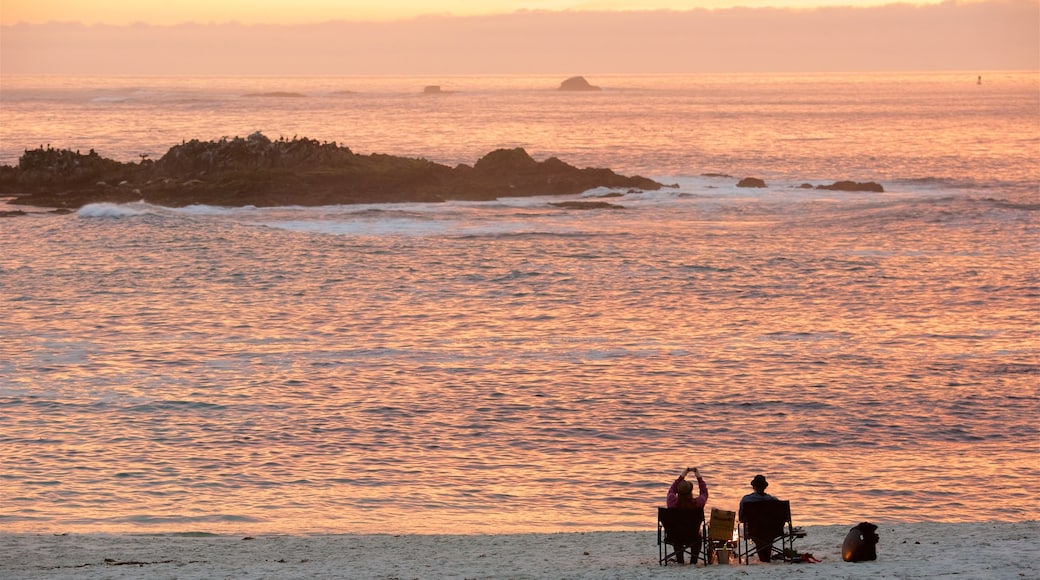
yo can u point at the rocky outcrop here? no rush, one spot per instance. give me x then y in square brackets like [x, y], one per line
[853, 186]
[46, 166]
[577, 84]
[258, 171]
[751, 182]
[513, 173]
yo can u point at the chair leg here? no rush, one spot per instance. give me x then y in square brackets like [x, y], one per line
[662, 547]
[669, 553]
[789, 548]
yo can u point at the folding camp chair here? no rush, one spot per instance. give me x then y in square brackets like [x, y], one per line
[718, 536]
[679, 527]
[766, 529]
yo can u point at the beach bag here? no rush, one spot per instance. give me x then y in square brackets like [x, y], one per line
[860, 543]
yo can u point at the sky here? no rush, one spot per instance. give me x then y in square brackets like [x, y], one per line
[312, 11]
[323, 37]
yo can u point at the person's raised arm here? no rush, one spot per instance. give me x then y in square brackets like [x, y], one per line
[702, 498]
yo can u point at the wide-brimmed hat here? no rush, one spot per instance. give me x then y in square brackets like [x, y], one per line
[759, 481]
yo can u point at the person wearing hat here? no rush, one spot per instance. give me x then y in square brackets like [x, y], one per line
[759, 485]
[680, 495]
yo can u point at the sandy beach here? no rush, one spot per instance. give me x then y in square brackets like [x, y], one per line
[922, 550]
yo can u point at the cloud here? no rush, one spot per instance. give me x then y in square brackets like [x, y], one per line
[989, 35]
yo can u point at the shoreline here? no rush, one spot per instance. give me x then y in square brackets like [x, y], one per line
[917, 550]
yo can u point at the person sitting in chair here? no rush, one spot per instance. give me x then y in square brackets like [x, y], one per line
[680, 495]
[759, 484]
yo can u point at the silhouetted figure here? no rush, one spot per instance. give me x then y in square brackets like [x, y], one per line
[759, 484]
[680, 496]
[860, 543]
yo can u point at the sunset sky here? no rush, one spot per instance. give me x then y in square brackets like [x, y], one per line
[514, 36]
[310, 11]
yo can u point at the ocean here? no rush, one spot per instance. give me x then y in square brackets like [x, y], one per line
[511, 366]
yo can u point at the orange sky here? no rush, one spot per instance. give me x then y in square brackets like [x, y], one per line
[310, 11]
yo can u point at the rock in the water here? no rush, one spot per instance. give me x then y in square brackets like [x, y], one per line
[277, 95]
[751, 182]
[577, 84]
[261, 172]
[502, 161]
[853, 186]
[586, 205]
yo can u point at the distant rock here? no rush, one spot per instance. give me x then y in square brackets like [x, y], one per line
[805, 186]
[277, 95]
[20, 213]
[853, 186]
[432, 89]
[577, 84]
[751, 182]
[261, 172]
[586, 205]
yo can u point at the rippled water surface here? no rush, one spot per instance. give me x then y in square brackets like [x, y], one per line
[513, 366]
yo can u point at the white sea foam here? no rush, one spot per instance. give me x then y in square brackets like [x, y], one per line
[213, 210]
[381, 227]
[115, 210]
[517, 215]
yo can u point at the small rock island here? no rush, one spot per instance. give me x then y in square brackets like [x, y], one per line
[577, 84]
[262, 172]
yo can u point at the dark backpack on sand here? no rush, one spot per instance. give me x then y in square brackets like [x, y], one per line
[860, 544]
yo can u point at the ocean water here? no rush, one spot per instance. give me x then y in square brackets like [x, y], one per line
[514, 366]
